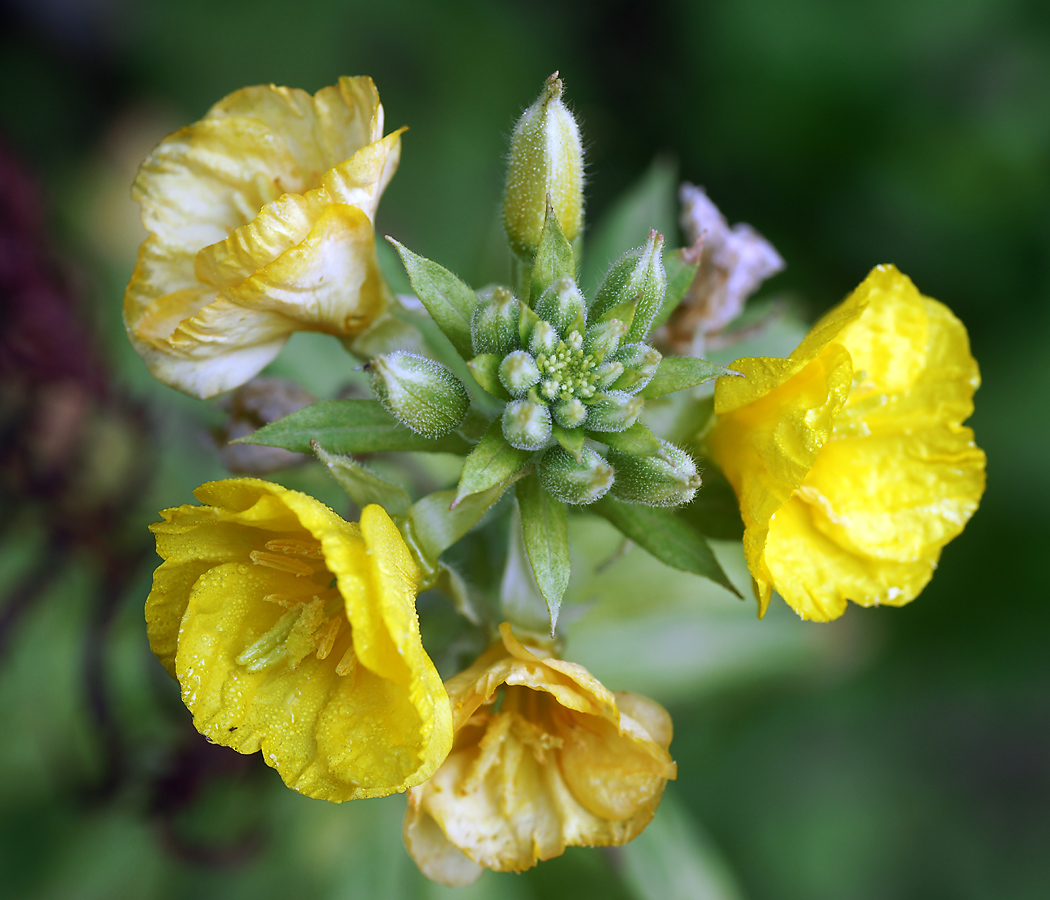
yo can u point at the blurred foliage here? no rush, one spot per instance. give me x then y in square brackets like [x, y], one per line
[895, 753]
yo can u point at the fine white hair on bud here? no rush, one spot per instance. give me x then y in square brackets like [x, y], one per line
[424, 395]
[546, 160]
[571, 480]
[668, 479]
[526, 425]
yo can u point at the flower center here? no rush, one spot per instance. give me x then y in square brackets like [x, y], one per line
[567, 372]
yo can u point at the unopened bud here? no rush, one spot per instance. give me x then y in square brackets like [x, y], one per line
[518, 372]
[668, 479]
[571, 481]
[546, 159]
[494, 323]
[613, 411]
[526, 425]
[636, 278]
[562, 305]
[604, 337]
[640, 362]
[570, 413]
[606, 373]
[544, 339]
[420, 393]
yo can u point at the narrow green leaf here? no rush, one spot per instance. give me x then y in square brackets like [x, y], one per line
[449, 301]
[670, 539]
[554, 257]
[526, 323]
[348, 426]
[434, 525]
[361, 484]
[491, 462]
[679, 372]
[572, 440]
[637, 439]
[680, 275]
[485, 369]
[545, 529]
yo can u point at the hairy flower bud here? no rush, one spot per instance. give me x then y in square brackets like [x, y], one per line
[571, 481]
[494, 323]
[420, 393]
[668, 479]
[518, 372]
[640, 362]
[613, 411]
[526, 425]
[570, 413]
[603, 338]
[638, 277]
[546, 160]
[562, 305]
[544, 339]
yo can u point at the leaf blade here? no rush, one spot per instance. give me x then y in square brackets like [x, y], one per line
[545, 529]
[676, 373]
[491, 462]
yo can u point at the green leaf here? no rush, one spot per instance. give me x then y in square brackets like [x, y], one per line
[715, 511]
[432, 525]
[554, 257]
[526, 323]
[361, 484]
[545, 529]
[348, 426]
[449, 301]
[572, 440]
[671, 540]
[679, 372]
[491, 462]
[485, 369]
[637, 439]
[680, 275]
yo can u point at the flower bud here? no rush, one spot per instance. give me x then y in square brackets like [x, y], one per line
[420, 393]
[544, 339]
[546, 159]
[518, 372]
[637, 278]
[603, 338]
[562, 305]
[669, 479]
[571, 481]
[613, 411]
[570, 413]
[526, 425]
[494, 323]
[640, 362]
[607, 372]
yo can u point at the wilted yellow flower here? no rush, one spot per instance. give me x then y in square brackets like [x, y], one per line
[295, 633]
[849, 458]
[544, 758]
[260, 220]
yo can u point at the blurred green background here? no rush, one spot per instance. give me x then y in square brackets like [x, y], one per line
[897, 753]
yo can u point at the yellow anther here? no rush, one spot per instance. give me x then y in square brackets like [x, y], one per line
[282, 563]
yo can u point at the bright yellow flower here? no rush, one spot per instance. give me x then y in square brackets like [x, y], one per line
[544, 758]
[260, 220]
[849, 458]
[295, 633]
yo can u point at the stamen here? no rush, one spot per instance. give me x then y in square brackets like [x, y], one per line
[328, 638]
[281, 563]
[281, 600]
[272, 646]
[348, 664]
[293, 547]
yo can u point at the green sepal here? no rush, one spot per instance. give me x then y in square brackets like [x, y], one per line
[554, 257]
[361, 484]
[545, 529]
[637, 439]
[676, 373]
[526, 323]
[350, 426]
[572, 439]
[680, 275]
[670, 539]
[491, 462]
[485, 369]
[449, 301]
[624, 312]
[433, 524]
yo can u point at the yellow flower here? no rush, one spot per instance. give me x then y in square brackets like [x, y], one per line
[849, 458]
[294, 632]
[260, 220]
[544, 758]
